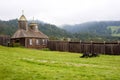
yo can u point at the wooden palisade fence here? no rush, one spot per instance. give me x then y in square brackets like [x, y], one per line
[112, 48]
[4, 40]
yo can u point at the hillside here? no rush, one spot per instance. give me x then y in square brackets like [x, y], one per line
[115, 30]
[9, 27]
[98, 28]
[96, 31]
[28, 64]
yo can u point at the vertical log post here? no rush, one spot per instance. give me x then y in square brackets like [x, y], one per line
[112, 48]
[104, 47]
[118, 47]
[80, 46]
[91, 51]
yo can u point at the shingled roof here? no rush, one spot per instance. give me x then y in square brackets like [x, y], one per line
[20, 33]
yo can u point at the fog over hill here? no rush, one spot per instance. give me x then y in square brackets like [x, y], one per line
[99, 28]
[96, 31]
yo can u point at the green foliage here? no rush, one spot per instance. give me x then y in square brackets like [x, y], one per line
[96, 31]
[28, 64]
[17, 45]
[54, 32]
[99, 28]
[115, 30]
[8, 27]
[45, 49]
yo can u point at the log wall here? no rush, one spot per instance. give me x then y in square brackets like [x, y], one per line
[111, 48]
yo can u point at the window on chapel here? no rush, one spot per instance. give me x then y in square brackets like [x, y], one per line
[30, 41]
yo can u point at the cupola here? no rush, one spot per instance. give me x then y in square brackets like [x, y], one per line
[22, 23]
[34, 26]
[22, 18]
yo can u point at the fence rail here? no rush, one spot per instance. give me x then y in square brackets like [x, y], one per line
[111, 48]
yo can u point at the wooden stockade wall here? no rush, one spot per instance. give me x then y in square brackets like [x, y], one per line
[4, 40]
[111, 48]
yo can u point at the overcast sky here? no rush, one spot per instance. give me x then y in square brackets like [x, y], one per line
[61, 12]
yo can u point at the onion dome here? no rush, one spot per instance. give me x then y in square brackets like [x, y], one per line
[22, 18]
[34, 26]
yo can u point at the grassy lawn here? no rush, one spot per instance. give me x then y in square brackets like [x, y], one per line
[28, 64]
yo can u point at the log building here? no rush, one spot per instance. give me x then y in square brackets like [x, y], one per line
[29, 36]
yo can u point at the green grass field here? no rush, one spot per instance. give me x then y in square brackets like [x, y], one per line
[29, 64]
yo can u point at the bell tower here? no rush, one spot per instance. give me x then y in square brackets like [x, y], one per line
[22, 22]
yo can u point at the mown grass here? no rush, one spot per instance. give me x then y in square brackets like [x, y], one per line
[29, 64]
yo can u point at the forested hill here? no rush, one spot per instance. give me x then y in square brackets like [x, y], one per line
[9, 27]
[103, 28]
[97, 31]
